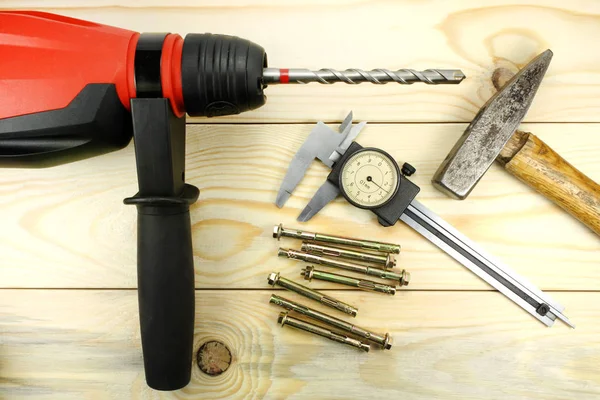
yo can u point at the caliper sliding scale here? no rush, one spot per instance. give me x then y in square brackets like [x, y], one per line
[338, 151]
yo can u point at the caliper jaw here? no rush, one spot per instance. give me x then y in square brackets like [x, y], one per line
[325, 195]
[322, 143]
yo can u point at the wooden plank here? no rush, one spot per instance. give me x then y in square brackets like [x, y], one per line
[382, 34]
[463, 345]
[67, 227]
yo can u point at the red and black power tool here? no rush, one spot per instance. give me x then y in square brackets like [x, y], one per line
[72, 89]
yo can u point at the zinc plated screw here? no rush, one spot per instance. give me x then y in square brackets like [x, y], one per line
[310, 272]
[387, 260]
[402, 277]
[284, 319]
[382, 340]
[276, 279]
[279, 231]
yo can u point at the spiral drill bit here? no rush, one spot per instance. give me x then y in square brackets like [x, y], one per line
[354, 76]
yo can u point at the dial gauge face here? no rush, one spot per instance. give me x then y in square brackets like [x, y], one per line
[369, 178]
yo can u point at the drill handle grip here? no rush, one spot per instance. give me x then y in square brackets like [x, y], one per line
[165, 268]
[165, 259]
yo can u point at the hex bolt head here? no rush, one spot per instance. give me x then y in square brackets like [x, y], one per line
[405, 278]
[307, 272]
[273, 278]
[282, 318]
[387, 345]
[277, 231]
[390, 262]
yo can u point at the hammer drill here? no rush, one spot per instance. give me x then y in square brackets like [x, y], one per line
[72, 89]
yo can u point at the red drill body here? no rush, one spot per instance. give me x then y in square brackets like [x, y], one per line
[48, 59]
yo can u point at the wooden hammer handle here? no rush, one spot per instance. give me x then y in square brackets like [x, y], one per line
[532, 161]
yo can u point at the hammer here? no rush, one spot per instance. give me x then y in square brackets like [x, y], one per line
[493, 135]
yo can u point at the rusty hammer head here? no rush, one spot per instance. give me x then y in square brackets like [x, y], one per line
[487, 134]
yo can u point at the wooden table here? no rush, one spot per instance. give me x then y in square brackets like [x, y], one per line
[69, 323]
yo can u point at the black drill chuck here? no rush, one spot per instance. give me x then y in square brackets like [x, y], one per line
[221, 75]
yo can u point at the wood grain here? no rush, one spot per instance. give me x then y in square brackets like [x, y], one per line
[67, 227]
[533, 162]
[85, 344]
[465, 34]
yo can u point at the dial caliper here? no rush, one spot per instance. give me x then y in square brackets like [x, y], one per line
[369, 178]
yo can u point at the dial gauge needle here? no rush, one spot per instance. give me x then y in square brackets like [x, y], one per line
[369, 179]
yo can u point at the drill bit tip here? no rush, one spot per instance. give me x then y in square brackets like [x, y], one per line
[454, 75]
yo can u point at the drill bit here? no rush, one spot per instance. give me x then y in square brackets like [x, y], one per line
[354, 76]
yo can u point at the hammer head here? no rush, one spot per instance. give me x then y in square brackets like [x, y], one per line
[487, 134]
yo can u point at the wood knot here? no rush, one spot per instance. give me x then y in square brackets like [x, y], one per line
[500, 77]
[213, 358]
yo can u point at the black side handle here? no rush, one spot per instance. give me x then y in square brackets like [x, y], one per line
[165, 268]
[165, 258]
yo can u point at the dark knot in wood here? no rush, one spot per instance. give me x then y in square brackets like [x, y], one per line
[213, 358]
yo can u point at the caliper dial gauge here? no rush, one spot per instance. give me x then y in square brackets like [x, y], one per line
[369, 178]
